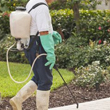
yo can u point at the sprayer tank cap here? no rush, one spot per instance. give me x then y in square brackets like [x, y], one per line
[20, 8]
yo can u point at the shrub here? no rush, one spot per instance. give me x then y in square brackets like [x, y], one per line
[89, 24]
[84, 4]
[92, 75]
[75, 52]
[10, 5]
[14, 56]
[95, 25]
[71, 52]
[65, 19]
[4, 24]
[58, 4]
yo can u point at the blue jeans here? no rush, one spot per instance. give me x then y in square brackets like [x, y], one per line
[42, 74]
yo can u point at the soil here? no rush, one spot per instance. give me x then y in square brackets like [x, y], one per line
[62, 96]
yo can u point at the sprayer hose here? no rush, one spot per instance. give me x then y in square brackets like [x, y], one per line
[30, 70]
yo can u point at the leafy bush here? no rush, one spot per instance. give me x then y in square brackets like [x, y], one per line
[58, 4]
[83, 4]
[65, 19]
[95, 25]
[92, 75]
[90, 23]
[10, 5]
[69, 53]
[75, 52]
[14, 56]
[4, 24]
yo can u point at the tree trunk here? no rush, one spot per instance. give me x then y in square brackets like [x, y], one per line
[76, 16]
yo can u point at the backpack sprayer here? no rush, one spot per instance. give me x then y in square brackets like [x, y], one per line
[20, 21]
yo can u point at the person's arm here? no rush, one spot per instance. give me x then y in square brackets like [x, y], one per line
[44, 33]
[43, 22]
[48, 45]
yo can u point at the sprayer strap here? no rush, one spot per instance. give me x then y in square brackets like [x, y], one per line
[33, 40]
[36, 5]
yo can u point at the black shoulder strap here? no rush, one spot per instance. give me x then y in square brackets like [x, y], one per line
[33, 40]
[36, 5]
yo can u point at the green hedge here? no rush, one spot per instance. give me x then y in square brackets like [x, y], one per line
[65, 18]
[10, 5]
[90, 21]
[4, 24]
[94, 25]
[75, 52]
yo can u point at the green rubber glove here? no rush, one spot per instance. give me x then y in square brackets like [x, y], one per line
[48, 45]
[56, 37]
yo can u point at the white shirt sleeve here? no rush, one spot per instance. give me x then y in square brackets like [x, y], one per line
[43, 19]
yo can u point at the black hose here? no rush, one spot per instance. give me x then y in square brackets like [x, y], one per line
[55, 67]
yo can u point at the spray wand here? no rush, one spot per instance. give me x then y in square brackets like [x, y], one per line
[56, 68]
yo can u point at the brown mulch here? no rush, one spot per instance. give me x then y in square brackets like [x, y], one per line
[62, 96]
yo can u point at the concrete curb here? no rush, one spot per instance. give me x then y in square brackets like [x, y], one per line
[102, 104]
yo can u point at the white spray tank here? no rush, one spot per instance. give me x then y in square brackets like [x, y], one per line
[20, 21]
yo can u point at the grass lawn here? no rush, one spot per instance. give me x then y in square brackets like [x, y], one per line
[8, 88]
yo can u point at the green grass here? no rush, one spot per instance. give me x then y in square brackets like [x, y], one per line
[8, 88]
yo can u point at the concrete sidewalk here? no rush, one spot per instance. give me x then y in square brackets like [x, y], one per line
[102, 104]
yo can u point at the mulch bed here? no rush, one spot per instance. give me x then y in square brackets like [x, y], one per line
[62, 96]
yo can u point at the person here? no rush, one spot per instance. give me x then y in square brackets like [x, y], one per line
[42, 79]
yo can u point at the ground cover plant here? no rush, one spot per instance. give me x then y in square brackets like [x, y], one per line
[20, 71]
[92, 75]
